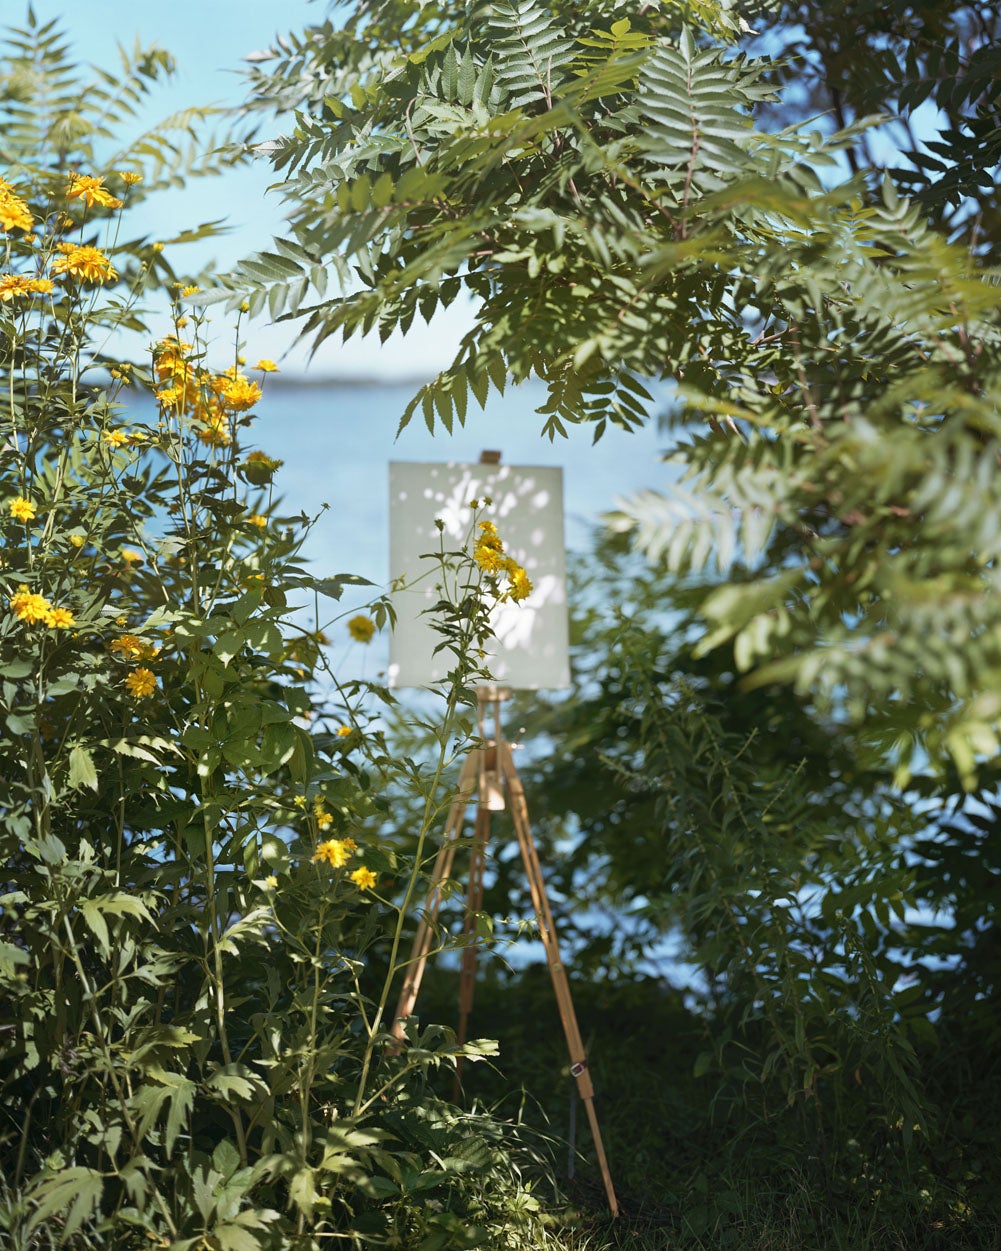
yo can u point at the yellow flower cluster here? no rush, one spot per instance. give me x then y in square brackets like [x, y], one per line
[14, 212]
[361, 629]
[28, 606]
[20, 285]
[488, 553]
[211, 400]
[336, 852]
[132, 647]
[83, 262]
[141, 682]
[323, 818]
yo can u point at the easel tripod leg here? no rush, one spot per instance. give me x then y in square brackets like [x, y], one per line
[470, 952]
[557, 972]
[439, 874]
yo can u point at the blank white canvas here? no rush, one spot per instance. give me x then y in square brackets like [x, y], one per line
[530, 648]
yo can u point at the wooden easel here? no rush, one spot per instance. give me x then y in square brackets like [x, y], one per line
[489, 772]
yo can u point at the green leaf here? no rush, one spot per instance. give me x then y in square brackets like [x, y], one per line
[11, 958]
[81, 769]
[72, 1194]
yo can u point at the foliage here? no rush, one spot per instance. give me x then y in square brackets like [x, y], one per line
[899, 62]
[195, 1051]
[767, 764]
[606, 195]
[817, 1035]
[54, 114]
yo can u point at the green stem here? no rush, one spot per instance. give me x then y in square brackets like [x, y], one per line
[112, 1070]
[467, 638]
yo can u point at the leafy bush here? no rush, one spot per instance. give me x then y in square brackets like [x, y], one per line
[195, 1051]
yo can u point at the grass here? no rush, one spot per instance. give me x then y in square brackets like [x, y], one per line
[688, 1180]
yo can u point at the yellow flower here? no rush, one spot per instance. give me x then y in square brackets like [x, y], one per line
[361, 629]
[189, 291]
[255, 519]
[29, 607]
[266, 366]
[141, 683]
[363, 878]
[335, 851]
[83, 262]
[240, 393]
[521, 583]
[132, 647]
[14, 212]
[345, 731]
[488, 551]
[215, 435]
[91, 190]
[12, 285]
[169, 357]
[59, 619]
[131, 557]
[130, 177]
[170, 397]
[77, 540]
[489, 559]
[22, 509]
[271, 881]
[115, 438]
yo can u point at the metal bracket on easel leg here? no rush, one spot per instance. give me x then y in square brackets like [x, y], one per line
[503, 777]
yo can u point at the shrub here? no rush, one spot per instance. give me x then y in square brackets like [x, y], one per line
[194, 1050]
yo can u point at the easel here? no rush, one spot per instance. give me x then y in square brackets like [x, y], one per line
[489, 771]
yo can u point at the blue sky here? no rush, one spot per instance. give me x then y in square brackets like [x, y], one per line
[209, 39]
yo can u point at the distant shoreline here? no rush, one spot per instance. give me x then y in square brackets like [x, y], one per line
[304, 382]
[301, 382]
